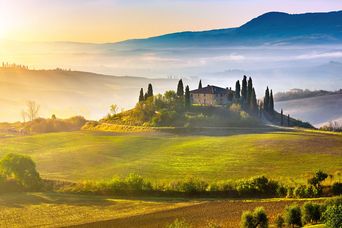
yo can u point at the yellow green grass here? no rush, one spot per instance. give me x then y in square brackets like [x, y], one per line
[86, 155]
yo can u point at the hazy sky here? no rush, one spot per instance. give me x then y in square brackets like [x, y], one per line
[115, 20]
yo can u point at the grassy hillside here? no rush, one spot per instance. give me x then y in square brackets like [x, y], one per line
[94, 155]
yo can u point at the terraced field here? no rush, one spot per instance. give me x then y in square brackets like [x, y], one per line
[75, 156]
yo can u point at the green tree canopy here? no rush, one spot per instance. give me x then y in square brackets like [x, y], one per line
[21, 168]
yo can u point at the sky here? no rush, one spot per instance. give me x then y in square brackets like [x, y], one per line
[101, 21]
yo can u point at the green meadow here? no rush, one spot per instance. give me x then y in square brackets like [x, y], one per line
[86, 155]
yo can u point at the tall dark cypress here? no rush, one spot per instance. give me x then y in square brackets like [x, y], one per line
[271, 107]
[288, 120]
[141, 95]
[237, 90]
[281, 118]
[267, 100]
[244, 89]
[187, 97]
[200, 84]
[254, 104]
[180, 88]
[249, 91]
[150, 90]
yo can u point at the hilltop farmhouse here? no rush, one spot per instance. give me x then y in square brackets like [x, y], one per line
[212, 95]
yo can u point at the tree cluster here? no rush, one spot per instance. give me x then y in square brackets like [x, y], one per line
[246, 94]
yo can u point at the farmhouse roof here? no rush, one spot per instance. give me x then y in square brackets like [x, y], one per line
[210, 89]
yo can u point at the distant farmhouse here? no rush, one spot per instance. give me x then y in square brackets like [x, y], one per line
[212, 95]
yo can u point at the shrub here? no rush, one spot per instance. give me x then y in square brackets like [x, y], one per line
[333, 216]
[260, 217]
[257, 185]
[257, 218]
[247, 220]
[22, 169]
[293, 215]
[306, 191]
[179, 223]
[337, 188]
[318, 178]
[279, 221]
[311, 213]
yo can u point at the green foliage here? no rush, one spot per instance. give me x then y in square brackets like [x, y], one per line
[187, 97]
[200, 84]
[318, 178]
[22, 169]
[180, 88]
[149, 91]
[333, 216]
[267, 100]
[311, 213]
[244, 89]
[279, 221]
[337, 188]
[257, 185]
[260, 217]
[179, 223]
[247, 220]
[306, 191]
[237, 90]
[141, 95]
[257, 218]
[293, 215]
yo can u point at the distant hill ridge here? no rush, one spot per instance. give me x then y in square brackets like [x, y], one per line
[269, 28]
[294, 94]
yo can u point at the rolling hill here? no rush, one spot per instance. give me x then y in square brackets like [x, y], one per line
[88, 155]
[269, 28]
[68, 93]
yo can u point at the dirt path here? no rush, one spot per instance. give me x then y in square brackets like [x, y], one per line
[224, 213]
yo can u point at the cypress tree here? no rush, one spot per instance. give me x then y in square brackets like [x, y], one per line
[271, 106]
[249, 91]
[141, 95]
[288, 120]
[254, 104]
[200, 84]
[267, 100]
[150, 90]
[180, 88]
[187, 97]
[244, 89]
[237, 90]
[281, 118]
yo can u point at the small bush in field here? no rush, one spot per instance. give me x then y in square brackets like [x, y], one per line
[333, 216]
[260, 217]
[337, 188]
[257, 218]
[293, 215]
[279, 221]
[248, 220]
[212, 224]
[179, 223]
[311, 213]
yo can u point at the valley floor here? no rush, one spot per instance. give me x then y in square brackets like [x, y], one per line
[57, 209]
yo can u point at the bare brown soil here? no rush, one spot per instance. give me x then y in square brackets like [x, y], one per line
[223, 213]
